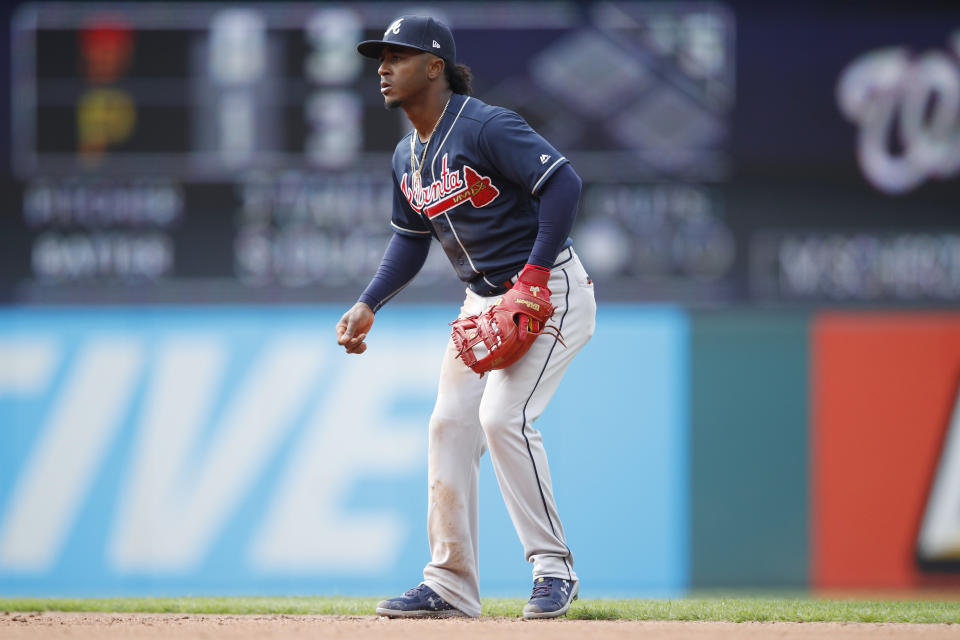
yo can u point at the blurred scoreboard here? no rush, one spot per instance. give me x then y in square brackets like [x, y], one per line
[210, 151]
[192, 92]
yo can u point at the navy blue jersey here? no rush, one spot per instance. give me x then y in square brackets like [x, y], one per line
[477, 194]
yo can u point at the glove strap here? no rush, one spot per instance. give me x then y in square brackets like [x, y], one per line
[535, 275]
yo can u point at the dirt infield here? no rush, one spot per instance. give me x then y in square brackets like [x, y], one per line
[14, 626]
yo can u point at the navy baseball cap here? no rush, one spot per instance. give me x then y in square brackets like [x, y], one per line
[416, 32]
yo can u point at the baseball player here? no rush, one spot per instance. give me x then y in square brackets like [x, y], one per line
[501, 201]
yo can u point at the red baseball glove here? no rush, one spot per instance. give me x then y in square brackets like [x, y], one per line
[502, 334]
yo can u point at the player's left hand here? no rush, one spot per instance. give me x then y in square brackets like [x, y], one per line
[502, 334]
[353, 328]
[531, 296]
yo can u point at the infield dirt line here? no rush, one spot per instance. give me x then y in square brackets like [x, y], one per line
[14, 626]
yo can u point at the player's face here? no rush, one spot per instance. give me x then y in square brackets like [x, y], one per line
[403, 74]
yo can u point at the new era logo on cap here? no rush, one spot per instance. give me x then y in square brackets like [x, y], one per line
[436, 45]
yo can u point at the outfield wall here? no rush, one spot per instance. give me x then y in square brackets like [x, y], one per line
[240, 451]
[749, 454]
[186, 450]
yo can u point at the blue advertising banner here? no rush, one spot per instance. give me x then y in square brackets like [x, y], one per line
[237, 450]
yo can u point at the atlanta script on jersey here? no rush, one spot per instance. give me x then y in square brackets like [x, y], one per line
[449, 191]
[480, 179]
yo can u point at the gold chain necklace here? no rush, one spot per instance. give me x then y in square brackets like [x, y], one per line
[416, 168]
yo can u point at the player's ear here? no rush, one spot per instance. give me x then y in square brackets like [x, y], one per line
[435, 67]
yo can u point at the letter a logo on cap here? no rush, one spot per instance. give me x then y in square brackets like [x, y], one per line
[395, 27]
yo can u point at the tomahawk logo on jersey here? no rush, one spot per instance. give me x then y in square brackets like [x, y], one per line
[449, 191]
[477, 190]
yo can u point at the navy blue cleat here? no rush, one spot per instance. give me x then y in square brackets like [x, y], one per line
[419, 602]
[551, 598]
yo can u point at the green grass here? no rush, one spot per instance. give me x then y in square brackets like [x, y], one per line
[730, 609]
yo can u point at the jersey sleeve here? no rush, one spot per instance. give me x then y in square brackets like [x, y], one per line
[518, 152]
[405, 220]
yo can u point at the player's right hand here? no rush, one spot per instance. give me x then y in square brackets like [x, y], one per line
[354, 327]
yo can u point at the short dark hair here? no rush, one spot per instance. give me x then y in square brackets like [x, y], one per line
[459, 77]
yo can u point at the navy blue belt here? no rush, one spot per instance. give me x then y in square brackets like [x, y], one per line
[481, 287]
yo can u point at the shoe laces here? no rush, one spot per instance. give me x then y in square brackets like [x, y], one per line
[542, 589]
[416, 590]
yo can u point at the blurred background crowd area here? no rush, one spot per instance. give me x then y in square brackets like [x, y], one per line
[192, 193]
[732, 152]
